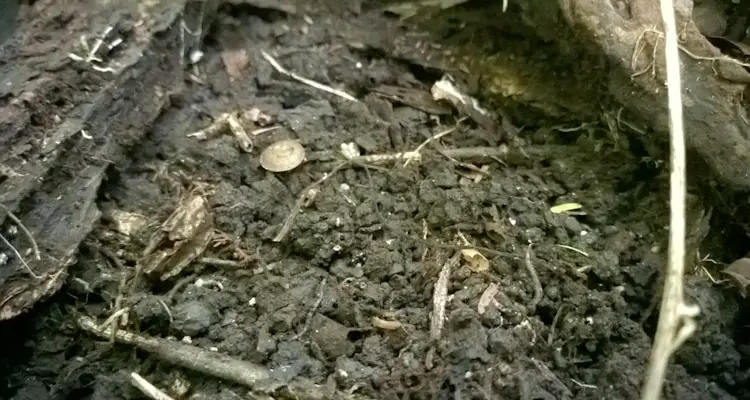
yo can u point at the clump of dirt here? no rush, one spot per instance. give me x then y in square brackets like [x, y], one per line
[562, 312]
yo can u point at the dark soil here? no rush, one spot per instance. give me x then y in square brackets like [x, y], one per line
[373, 241]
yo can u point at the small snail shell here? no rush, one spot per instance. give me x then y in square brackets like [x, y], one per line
[282, 156]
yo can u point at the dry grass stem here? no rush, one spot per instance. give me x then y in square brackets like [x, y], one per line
[219, 365]
[151, 391]
[436, 137]
[676, 322]
[22, 227]
[309, 82]
[20, 257]
[313, 310]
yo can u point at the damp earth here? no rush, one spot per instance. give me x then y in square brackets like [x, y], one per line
[328, 272]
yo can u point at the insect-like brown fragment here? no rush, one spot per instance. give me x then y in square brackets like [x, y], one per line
[180, 240]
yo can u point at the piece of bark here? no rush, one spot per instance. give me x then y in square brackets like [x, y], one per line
[715, 117]
[8, 18]
[63, 124]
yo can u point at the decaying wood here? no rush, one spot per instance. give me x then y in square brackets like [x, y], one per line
[212, 363]
[63, 124]
[715, 116]
[604, 40]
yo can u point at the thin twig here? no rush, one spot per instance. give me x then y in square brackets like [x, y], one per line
[118, 304]
[112, 320]
[220, 365]
[225, 122]
[488, 153]
[22, 227]
[436, 137]
[275, 64]
[553, 327]
[676, 319]
[220, 262]
[119, 311]
[177, 287]
[312, 311]
[639, 49]
[289, 221]
[20, 257]
[151, 391]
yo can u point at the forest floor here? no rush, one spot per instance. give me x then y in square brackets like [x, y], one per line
[346, 299]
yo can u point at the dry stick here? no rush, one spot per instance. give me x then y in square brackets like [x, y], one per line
[121, 289]
[436, 137]
[219, 365]
[311, 313]
[20, 257]
[151, 391]
[29, 237]
[220, 262]
[489, 153]
[440, 297]
[22, 227]
[112, 320]
[275, 64]
[676, 319]
[224, 122]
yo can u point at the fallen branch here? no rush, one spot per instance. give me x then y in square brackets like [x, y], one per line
[219, 365]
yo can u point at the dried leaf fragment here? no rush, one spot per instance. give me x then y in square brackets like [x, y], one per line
[475, 260]
[565, 207]
[412, 97]
[446, 89]
[182, 238]
[125, 222]
[487, 298]
[235, 61]
[739, 272]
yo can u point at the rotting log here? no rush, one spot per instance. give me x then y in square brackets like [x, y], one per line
[63, 123]
[715, 116]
